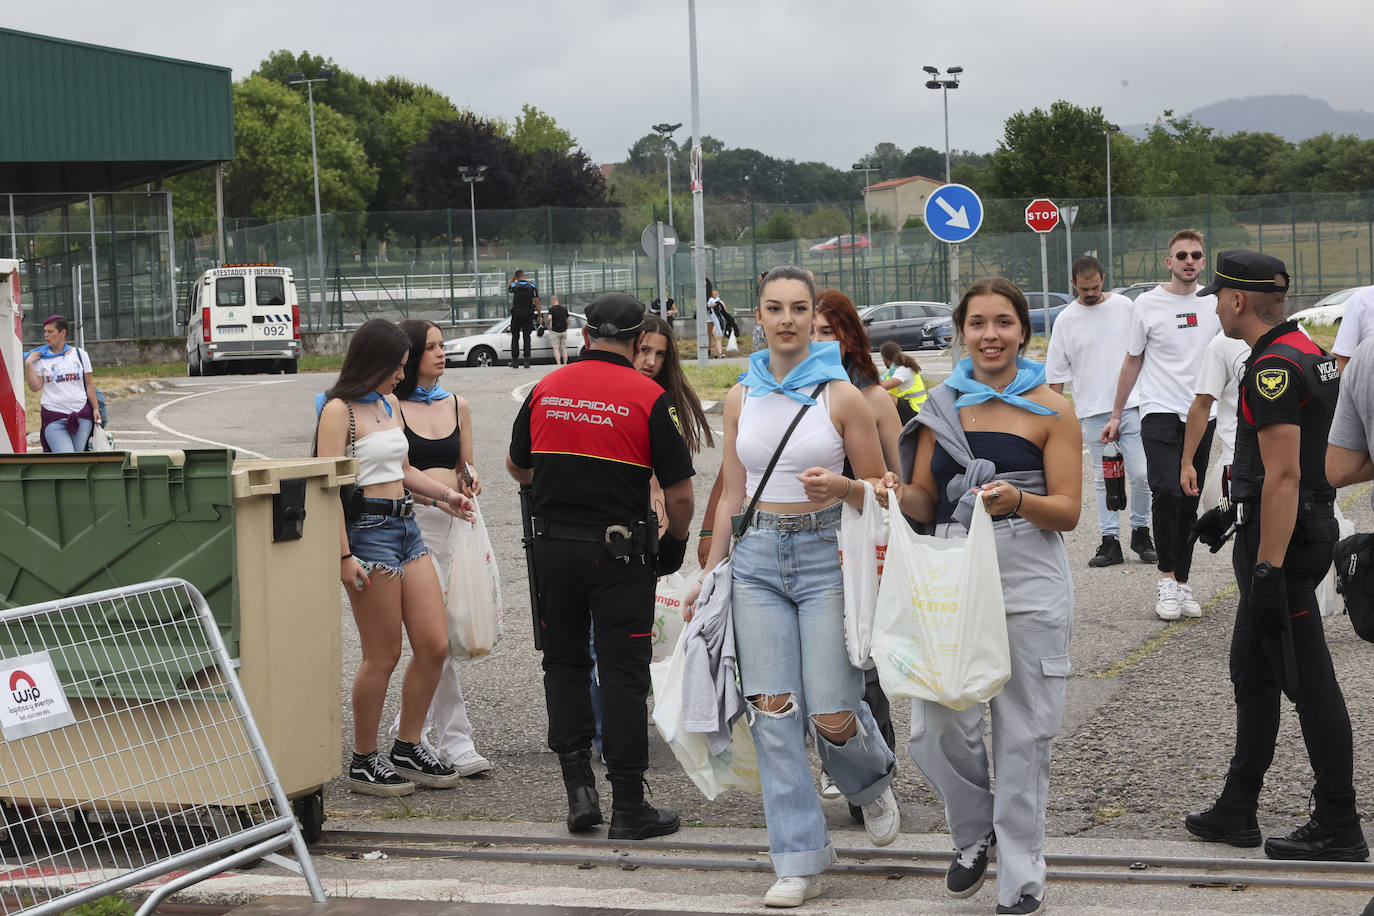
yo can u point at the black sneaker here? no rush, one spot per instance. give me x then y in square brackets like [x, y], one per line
[1315, 841]
[1108, 553]
[372, 775]
[642, 823]
[1025, 905]
[968, 869]
[1143, 546]
[416, 762]
[1219, 824]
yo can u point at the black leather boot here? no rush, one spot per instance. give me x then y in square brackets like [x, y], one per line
[1314, 840]
[1226, 822]
[642, 822]
[584, 805]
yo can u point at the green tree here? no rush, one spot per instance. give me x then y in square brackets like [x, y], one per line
[534, 131]
[887, 158]
[778, 226]
[922, 160]
[1177, 159]
[1058, 153]
[408, 121]
[1251, 161]
[824, 222]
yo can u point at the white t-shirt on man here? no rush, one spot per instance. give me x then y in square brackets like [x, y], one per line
[1086, 350]
[64, 380]
[1171, 332]
[1223, 364]
[1357, 323]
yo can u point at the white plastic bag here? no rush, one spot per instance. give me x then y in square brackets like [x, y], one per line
[668, 625]
[732, 343]
[1328, 601]
[940, 631]
[736, 767]
[474, 591]
[863, 545]
[100, 441]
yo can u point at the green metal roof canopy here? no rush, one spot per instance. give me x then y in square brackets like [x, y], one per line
[81, 118]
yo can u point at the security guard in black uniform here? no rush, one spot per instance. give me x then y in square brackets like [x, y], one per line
[588, 438]
[1286, 529]
[524, 309]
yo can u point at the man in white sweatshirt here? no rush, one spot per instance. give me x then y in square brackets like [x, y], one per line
[1170, 329]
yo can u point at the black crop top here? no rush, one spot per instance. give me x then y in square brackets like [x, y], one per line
[434, 453]
[1007, 451]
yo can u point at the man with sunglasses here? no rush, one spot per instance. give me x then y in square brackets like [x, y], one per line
[1170, 328]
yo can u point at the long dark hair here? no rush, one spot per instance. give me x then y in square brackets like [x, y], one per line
[996, 286]
[417, 331]
[849, 331]
[671, 379]
[893, 351]
[374, 353]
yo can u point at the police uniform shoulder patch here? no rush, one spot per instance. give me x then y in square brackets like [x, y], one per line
[1271, 383]
[672, 412]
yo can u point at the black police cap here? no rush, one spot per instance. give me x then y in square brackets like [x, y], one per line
[616, 315]
[1247, 270]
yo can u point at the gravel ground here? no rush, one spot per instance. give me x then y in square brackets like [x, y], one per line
[1146, 737]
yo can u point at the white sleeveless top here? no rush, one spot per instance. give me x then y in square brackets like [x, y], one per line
[814, 443]
[381, 456]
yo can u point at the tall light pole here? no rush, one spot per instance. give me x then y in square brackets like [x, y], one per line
[296, 79]
[698, 214]
[868, 252]
[945, 82]
[665, 131]
[1108, 129]
[471, 175]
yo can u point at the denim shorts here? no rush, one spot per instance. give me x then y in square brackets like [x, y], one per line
[385, 542]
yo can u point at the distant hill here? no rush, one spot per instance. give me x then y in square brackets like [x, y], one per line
[1293, 117]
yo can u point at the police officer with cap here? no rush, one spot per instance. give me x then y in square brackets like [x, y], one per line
[588, 438]
[1283, 507]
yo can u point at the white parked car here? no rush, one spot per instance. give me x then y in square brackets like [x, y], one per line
[1327, 310]
[492, 346]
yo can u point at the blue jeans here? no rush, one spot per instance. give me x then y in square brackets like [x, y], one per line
[59, 440]
[788, 610]
[1133, 453]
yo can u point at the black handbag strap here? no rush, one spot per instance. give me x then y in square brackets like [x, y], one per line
[773, 462]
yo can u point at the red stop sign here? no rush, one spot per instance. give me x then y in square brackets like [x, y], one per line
[1042, 215]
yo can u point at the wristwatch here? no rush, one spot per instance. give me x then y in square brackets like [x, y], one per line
[1267, 571]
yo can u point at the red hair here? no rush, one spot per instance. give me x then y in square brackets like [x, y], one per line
[849, 331]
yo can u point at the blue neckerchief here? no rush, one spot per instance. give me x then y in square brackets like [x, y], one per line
[821, 364]
[429, 395]
[370, 398]
[1029, 375]
[45, 351]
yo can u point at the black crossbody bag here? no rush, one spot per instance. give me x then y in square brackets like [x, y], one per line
[740, 523]
[1354, 566]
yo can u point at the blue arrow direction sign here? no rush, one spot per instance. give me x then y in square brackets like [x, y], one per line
[953, 213]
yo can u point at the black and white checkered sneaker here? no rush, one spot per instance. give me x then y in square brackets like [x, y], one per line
[416, 762]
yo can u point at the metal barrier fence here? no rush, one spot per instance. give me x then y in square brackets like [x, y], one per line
[129, 752]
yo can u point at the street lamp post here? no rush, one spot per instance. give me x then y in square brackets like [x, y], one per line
[868, 252]
[471, 175]
[949, 80]
[295, 79]
[665, 131]
[1108, 129]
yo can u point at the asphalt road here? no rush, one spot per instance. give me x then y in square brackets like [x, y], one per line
[1146, 735]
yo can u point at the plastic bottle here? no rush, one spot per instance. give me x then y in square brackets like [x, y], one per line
[1114, 475]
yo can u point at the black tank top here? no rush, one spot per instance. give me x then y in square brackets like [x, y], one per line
[1007, 451]
[434, 453]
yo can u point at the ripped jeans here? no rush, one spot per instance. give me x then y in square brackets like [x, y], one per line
[385, 542]
[788, 610]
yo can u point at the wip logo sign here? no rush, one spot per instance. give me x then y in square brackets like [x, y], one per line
[36, 701]
[1187, 319]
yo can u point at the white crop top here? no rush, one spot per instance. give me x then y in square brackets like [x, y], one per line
[814, 443]
[380, 456]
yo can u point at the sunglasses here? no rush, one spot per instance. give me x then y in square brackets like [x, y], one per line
[1184, 255]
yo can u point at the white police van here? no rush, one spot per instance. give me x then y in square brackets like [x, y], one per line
[242, 316]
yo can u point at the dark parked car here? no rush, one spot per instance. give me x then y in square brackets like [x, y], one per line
[1058, 302]
[913, 325]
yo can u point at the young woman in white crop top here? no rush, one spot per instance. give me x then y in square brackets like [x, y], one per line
[788, 595]
[378, 550]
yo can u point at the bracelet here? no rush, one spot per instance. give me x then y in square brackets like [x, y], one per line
[1020, 498]
[849, 485]
[705, 533]
[447, 491]
[345, 557]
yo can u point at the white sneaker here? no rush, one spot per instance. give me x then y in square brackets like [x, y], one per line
[793, 890]
[829, 791]
[883, 818]
[470, 763]
[1187, 604]
[1166, 605]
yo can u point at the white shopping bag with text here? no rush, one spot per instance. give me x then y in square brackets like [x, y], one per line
[863, 545]
[668, 624]
[940, 631]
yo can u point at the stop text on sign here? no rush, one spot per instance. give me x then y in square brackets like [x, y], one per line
[1042, 215]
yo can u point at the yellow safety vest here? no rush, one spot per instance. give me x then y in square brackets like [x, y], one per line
[914, 394]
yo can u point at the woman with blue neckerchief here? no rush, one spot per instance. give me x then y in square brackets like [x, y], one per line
[69, 405]
[995, 431]
[438, 427]
[383, 562]
[787, 591]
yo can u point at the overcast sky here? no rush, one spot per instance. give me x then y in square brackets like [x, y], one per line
[803, 79]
